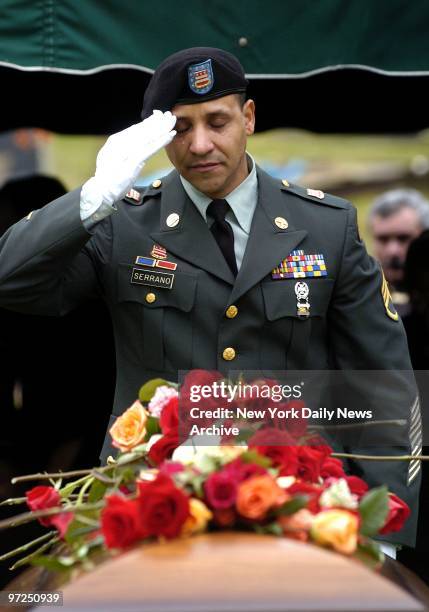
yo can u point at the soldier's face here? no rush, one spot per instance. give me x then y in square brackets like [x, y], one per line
[391, 238]
[210, 145]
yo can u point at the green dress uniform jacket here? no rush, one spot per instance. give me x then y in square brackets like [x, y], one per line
[49, 263]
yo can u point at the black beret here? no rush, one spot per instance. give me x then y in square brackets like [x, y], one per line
[191, 76]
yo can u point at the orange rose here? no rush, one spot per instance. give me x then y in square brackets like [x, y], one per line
[129, 429]
[298, 525]
[257, 495]
[336, 528]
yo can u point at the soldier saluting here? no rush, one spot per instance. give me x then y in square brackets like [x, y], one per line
[217, 265]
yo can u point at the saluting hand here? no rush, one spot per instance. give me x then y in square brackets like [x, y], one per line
[121, 159]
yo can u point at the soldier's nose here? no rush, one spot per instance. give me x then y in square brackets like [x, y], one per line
[201, 142]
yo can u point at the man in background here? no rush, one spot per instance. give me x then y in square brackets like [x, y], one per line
[396, 218]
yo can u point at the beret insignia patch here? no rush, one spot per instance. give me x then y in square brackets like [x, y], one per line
[200, 77]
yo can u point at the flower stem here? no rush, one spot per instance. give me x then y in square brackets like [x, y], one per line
[12, 501]
[382, 457]
[25, 547]
[35, 553]
[26, 517]
[70, 487]
[84, 489]
[45, 476]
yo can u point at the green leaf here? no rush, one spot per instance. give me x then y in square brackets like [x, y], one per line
[197, 483]
[67, 560]
[152, 427]
[50, 563]
[77, 529]
[147, 391]
[369, 553]
[252, 456]
[293, 505]
[271, 529]
[373, 509]
[128, 475]
[82, 551]
[69, 488]
[140, 448]
[207, 464]
[96, 491]
[78, 532]
[127, 458]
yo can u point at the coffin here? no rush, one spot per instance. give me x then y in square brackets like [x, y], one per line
[233, 572]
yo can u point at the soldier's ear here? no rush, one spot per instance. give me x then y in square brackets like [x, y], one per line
[249, 116]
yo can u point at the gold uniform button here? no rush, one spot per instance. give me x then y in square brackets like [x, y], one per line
[285, 183]
[150, 298]
[232, 311]
[229, 354]
[157, 183]
[281, 222]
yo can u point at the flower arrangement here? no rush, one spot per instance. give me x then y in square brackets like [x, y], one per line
[285, 483]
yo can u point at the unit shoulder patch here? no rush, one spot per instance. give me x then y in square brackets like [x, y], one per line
[314, 195]
[387, 299]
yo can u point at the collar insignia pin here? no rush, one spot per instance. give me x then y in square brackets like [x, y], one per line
[316, 193]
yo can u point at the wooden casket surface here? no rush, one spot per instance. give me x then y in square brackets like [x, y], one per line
[232, 572]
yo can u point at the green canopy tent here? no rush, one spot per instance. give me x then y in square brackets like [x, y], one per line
[82, 66]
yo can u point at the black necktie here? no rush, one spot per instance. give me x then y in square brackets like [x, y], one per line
[222, 231]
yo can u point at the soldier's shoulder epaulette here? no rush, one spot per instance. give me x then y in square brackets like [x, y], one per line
[137, 195]
[315, 195]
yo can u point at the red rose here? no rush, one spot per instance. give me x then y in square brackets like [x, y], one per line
[357, 486]
[120, 522]
[228, 439]
[399, 511]
[295, 426]
[169, 419]
[163, 507]
[257, 394]
[332, 468]
[61, 521]
[270, 436]
[289, 461]
[319, 443]
[42, 498]
[313, 493]
[310, 461]
[198, 379]
[240, 470]
[169, 468]
[278, 446]
[224, 517]
[164, 448]
[189, 392]
[284, 457]
[221, 490]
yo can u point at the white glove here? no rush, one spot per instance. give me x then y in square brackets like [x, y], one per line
[121, 159]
